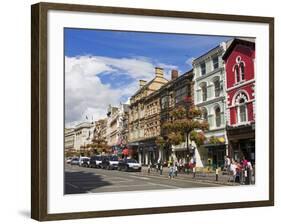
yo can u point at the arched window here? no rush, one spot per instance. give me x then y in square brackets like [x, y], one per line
[242, 70]
[204, 114]
[239, 70]
[241, 103]
[217, 87]
[218, 116]
[237, 73]
[204, 91]
[242, 111]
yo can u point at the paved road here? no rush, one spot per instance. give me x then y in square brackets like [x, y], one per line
[83, 180]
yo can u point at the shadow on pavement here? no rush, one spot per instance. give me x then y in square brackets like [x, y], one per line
[82, 182]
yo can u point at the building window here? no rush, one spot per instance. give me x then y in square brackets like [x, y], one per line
[242, 70]
[217, 87]
[239, 70]
[242, 113]
[180, 94]
[218, 116]
[204, 114]
[203, 68]
[237, 73]
[164, 102]
[215, 62]
[188, 89]
[241, 103]
[204, 91]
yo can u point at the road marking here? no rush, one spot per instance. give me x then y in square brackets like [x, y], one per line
[128, 186]
[184, 180]
[72, 185]
[165, 185]
[142, 178]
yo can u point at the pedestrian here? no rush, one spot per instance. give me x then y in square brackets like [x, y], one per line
[244, 171]
[175, 169]
[180, 165]
[240, 173]
[171, 171]
[227, 163]
[161, 168]
[233, 171]
[249, 172]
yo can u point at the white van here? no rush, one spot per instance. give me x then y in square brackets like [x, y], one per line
[81, 158]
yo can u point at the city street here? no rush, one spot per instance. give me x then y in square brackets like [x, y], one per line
[89, 180]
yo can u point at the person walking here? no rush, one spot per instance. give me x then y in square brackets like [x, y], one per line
[249, 172]
[233, 170]
[227, 163]
[175, 169]
[244, 172]
[171, 171]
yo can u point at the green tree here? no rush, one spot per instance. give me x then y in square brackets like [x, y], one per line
[99, 144]
[186, 125]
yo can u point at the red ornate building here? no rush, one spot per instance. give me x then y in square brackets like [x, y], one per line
[239, 61]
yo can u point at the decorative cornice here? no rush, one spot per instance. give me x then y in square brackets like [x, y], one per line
[240, 85]
[213, 100]
[220, 69]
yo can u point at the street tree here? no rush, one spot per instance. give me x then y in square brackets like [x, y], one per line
[186, 125]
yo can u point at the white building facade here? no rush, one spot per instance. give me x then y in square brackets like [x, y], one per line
[210, 97]
[78, 137]
[69, 139]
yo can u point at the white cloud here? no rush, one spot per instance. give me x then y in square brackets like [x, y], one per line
[189, 61]
[87, 95]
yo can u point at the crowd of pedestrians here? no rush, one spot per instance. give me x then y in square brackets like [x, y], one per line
[240, 172]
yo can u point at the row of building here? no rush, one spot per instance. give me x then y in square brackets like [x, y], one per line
[221, 83]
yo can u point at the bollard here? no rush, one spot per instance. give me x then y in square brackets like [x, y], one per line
[217, 174]
[148, 170]
[161, 170]
[193, 171]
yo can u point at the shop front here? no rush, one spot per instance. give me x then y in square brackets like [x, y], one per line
[242, 143]
[216, 155]
[133, 150]
[147, 153]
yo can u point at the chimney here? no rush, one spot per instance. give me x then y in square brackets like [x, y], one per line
[159, 72]
[142, 83]
[174, 74]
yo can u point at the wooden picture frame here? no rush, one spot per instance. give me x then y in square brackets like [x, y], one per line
[39, 109]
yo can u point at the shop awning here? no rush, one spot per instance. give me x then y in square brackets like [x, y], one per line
[221, 139]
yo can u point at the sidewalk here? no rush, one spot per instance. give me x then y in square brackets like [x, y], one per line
[199, 177]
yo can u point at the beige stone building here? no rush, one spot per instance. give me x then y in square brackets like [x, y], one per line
[111, 130]
[79, 136]
[144, 120]
[100, 131]
[69, 139]
[152, 116]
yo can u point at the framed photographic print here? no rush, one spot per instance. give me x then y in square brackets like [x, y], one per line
[139, 111]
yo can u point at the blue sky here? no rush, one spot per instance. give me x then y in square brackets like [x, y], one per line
[113, 61]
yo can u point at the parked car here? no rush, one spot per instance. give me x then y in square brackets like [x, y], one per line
[95, 161]
[109, 162]
[74, 161]
[81, 160]
[129, 165]
[85, 162]
[68, 160]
